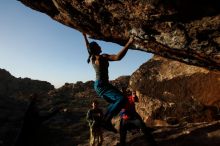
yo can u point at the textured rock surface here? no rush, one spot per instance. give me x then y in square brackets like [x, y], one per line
[175, 92]
[183, 30]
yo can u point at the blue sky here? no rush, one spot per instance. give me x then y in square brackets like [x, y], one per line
[35, 46]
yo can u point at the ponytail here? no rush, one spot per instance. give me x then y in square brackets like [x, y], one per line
[88, 60]
[90, 54]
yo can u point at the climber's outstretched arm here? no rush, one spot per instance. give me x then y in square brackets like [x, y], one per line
[86, 40]
[121, 54]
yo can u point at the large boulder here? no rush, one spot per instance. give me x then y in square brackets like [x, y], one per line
[184, 30]
[175, 92]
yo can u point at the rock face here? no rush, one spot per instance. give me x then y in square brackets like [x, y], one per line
[184, 30]
[175, 92]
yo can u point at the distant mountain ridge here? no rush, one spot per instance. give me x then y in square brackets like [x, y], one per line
[12, 86]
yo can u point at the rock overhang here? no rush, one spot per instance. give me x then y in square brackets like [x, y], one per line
[183, 30]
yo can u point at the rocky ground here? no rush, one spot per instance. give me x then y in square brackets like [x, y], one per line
[70, 129]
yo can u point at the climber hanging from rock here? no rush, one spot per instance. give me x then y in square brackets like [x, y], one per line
[102, 86]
